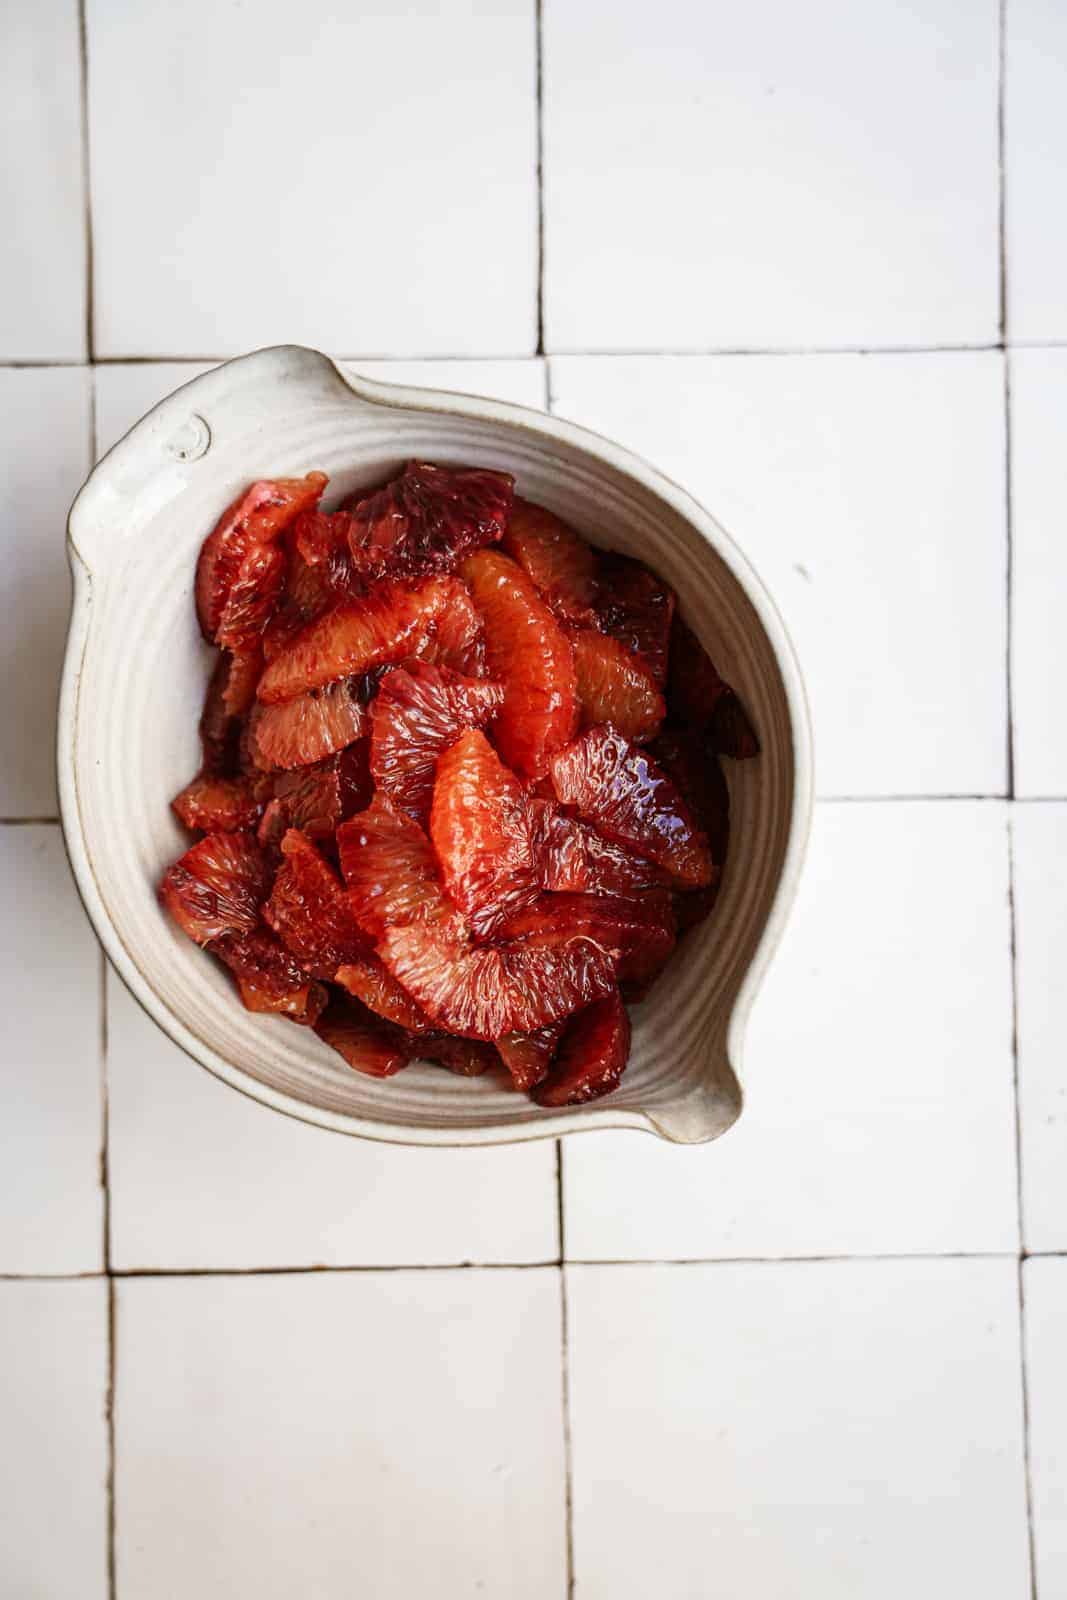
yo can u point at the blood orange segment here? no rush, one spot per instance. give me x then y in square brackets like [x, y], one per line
[310, 911]
[217, 886]
[230, 693]
[364, 1041]
[468, 1058]
[217, 805]
[355, 636]
[636, 607]
[687, 757]
[528, 1056]
[369, 980]
[617, 787]
[390, 870]
[299, 1005]
[615, 686]
[418, 712]
[639, 926]
[698, 696]
[309, 591]
[558, 560]
[457, 638]
[572, 857]
[241, 568]
[428, 519]
[308, 728]
[269, 977]
[592, 1055]
[315, 799]
[486, 991]
[527, 652]
[480, 831]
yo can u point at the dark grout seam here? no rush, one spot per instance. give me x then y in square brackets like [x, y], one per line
[28, 822]
[1002, 245]
[83, 56]
[1025, 1397]
[539, 55]
[565, 1398]
[112, 1364]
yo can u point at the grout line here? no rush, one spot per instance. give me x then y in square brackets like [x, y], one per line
[560, 1235]
[904, 799]
[29, 822]
[105, 1114]
[50, 1277]
[568, 1470]
[162, 358]
[83, 55]
[1013, 954]
[1027, 1473]
[681, 352]
[1002, 246]
[123, 1273]
[783, 1261]
[110, 1415]
[1009, 539]
[539, 56]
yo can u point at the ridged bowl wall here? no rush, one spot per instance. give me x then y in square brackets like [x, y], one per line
[134, 680]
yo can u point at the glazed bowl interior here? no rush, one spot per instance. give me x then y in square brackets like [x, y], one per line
[135, 678]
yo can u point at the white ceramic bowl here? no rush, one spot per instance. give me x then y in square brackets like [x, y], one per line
[134, 679]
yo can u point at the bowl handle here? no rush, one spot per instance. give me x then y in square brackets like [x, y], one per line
[159, 456]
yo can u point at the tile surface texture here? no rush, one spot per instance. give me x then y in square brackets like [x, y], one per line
[1045, 1293]
[44, 456]
[422, 126]
[1039, 569]
[1035, 152]
[818, 1428]
[1040, 852]
[53, 1465]
[740, 177]
[51, 1218]
[42, 193]
[398, 1433]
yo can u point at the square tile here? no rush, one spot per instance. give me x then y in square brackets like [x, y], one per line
[53, 1466]
[51, 1220]
[821, 1428]
[42, 254]
[41, 470]
[203, 1177]
[879, 1114]
[868, 491]
[126, 390]
[1035, 152]
[1045, 1318]
[364, 181]
[741, 177]
[387, 1434]
[1039, 846]
[1039, 569]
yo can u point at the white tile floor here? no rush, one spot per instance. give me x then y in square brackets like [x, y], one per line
[617, 1370]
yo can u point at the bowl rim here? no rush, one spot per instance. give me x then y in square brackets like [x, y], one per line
[555, 1124]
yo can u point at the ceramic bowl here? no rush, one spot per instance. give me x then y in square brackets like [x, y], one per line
[134, 679]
